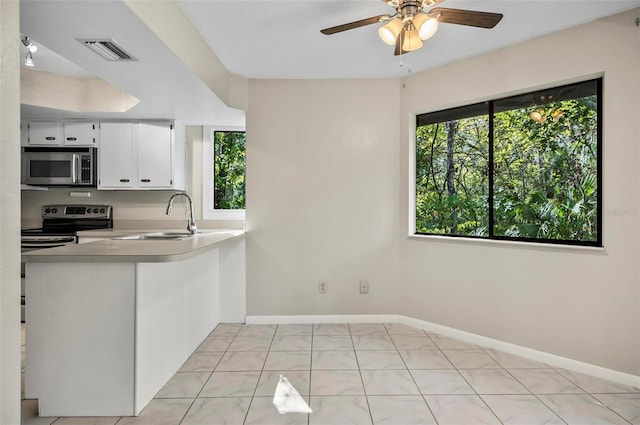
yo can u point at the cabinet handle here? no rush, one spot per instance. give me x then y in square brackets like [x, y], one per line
[71, 139]
[50, 138]
[146, 180]
[124, 180]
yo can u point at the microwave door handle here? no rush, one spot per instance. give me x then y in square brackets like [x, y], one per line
[76, 166]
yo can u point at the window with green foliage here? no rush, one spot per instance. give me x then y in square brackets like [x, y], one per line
[229, 170]
[526, 168]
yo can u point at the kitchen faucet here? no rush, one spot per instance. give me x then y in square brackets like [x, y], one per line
[191, 224]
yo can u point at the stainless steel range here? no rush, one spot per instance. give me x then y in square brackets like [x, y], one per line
[60, 224]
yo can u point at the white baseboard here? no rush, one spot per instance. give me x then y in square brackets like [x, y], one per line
[528, 353]
[348, 318]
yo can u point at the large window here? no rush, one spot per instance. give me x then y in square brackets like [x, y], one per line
[224, 171]
[526, 168]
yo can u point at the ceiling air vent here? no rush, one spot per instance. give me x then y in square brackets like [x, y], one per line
[108, 49]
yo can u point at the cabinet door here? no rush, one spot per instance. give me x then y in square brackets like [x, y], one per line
[116, 156]
[44, 133]
[154, 155]
[79, 134]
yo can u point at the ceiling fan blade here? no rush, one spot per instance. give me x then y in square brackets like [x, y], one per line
[470, 18]
[355, 24]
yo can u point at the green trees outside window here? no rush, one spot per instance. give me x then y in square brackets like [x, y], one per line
[229, 170]
[527, 167]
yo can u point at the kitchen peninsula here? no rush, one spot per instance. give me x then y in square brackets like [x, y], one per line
[110, 321]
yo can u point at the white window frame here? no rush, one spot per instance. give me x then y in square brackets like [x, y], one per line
[208, 210]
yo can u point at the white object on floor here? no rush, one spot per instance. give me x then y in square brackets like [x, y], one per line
[288, 400]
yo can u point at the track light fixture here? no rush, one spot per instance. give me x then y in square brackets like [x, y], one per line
[31, 48]
[28, 61]
[29, 45]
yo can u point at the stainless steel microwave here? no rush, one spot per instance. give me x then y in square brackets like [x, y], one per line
[59, 166]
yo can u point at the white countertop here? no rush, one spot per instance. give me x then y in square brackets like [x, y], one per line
[132, 251]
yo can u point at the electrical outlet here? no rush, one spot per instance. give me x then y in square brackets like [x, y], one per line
[364, 287]
[322, 287]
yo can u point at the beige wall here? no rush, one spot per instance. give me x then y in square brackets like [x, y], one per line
[322, 196]
[9, 213]
[581, 304]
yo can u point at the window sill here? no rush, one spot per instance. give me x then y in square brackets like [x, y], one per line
[226, 215]
[507, 244]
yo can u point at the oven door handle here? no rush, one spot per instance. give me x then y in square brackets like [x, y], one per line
[40, 243]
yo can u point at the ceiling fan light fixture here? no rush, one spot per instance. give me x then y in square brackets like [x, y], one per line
[426, 25]
[411, 40]
[389, 32]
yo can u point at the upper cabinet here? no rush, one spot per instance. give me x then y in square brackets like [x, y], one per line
[116, 157]
[79, 134]
[136, 156]
[155, 149]
[44, 133]
[52, 133]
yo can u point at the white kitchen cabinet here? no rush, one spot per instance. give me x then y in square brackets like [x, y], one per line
[79, 134]
[116, 157]
[58, 133]
[44, 133]
[154, 156]
[135, 156]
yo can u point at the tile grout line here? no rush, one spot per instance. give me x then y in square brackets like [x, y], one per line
[466, 380]
[529, 389]
[585, 392]
[211, 374]
[364, 389]
[413, 378]
[246, 415]
[310, 372]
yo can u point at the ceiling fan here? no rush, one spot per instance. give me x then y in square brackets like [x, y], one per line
[414, 22]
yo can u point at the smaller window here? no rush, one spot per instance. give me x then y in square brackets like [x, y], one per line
[224, 174]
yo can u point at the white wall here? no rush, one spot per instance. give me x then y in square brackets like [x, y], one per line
[581, 304]
[322, 196]
[9, 213]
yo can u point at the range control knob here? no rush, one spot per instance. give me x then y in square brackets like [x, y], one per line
[54, 210]
[47, 210]
[95, 211]
[102, 211]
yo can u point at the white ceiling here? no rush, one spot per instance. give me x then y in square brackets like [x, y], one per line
[272, 39]
[282, 39]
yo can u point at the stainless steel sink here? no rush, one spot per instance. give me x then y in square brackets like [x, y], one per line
[159, 236]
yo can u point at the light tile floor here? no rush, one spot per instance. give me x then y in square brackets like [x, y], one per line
[368, 374]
